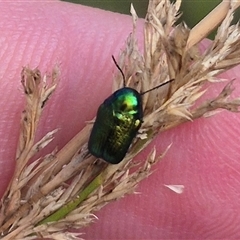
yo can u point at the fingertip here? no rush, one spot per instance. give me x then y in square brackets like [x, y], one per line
[80, 41]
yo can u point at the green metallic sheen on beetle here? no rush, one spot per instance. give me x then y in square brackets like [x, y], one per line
[118, 120]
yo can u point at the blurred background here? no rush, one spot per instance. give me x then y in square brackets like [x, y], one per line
[193, 10]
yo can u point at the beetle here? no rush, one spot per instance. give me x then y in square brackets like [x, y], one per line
[118, 120]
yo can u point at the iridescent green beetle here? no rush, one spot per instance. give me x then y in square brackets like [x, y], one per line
[118, 120]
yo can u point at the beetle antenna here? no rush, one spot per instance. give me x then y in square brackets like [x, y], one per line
[162, 84]
[124, 79]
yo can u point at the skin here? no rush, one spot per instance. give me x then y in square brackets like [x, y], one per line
[205, 153]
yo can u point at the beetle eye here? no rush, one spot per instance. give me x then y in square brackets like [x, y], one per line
[123, 107]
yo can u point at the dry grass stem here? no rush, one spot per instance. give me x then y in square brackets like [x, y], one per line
[79, 184]
[211, 21]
